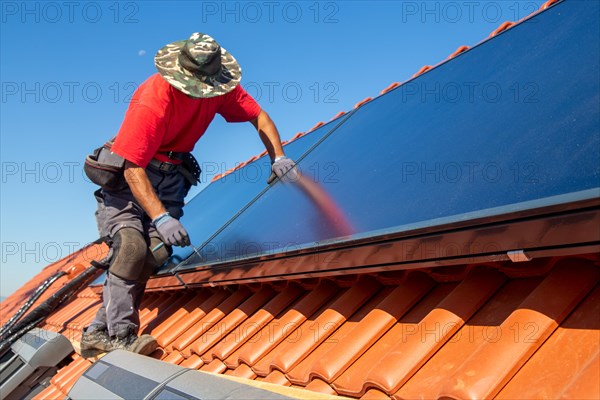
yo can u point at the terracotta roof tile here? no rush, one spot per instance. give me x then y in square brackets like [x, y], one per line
[230, 322]
[215, 367]
[51, 393]
[336, 116]
[150, 309]
[547, 4]
[169, 307]
[374, 394]
[194, 361]
[358, 371]
[371, 327]
[417, 342]
[585, 385]
[254, 324]
[563, 369]
[69, 374]
[303, 373]
[276, 377]
[211, 318]
[532, 323]
[421, 71]
[318, 385]
[456, 52]
[390, 87]
[183, 325]
[407, 338]
[77, 306]
[174, 357]
[279, 328]
[479, 329]
[243, 371]
[314, 331]
[86, 314]
[81, 365]
[504, 26]
[363, 102]
[177, 317]
[83, 319]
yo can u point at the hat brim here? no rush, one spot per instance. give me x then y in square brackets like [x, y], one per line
[167, 64]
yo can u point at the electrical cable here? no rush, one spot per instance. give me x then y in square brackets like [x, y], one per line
[27, 305]
[41, 312]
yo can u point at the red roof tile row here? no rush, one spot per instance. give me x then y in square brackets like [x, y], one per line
[417, 334]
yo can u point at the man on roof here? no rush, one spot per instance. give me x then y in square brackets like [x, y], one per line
[168, 113]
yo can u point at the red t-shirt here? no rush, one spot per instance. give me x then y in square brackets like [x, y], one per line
[160, 119]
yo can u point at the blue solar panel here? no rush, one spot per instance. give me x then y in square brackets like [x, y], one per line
[511, 125]
[223, 199]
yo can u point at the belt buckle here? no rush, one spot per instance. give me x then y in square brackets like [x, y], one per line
[165, 167]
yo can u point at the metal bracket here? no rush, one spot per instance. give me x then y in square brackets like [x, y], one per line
[518, 256]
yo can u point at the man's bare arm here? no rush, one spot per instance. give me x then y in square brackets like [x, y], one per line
[281, 166]
[142, 190]
[268, 134]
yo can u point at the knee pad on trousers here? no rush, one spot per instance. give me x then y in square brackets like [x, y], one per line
[129, 254]
[155, 259]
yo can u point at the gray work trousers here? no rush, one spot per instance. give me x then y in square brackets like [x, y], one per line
[125, 282]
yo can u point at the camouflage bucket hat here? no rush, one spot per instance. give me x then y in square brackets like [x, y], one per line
[198, 66]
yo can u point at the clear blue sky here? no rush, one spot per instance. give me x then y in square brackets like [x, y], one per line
[68, 68]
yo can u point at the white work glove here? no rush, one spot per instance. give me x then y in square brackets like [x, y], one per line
[285, 169]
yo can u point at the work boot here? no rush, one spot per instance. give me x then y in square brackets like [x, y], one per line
[94, 341]
[144, 344]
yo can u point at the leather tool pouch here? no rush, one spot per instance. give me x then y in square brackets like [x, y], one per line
[105, 168]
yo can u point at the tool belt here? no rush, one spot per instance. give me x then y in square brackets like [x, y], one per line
[189, 167]
[105, 168]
